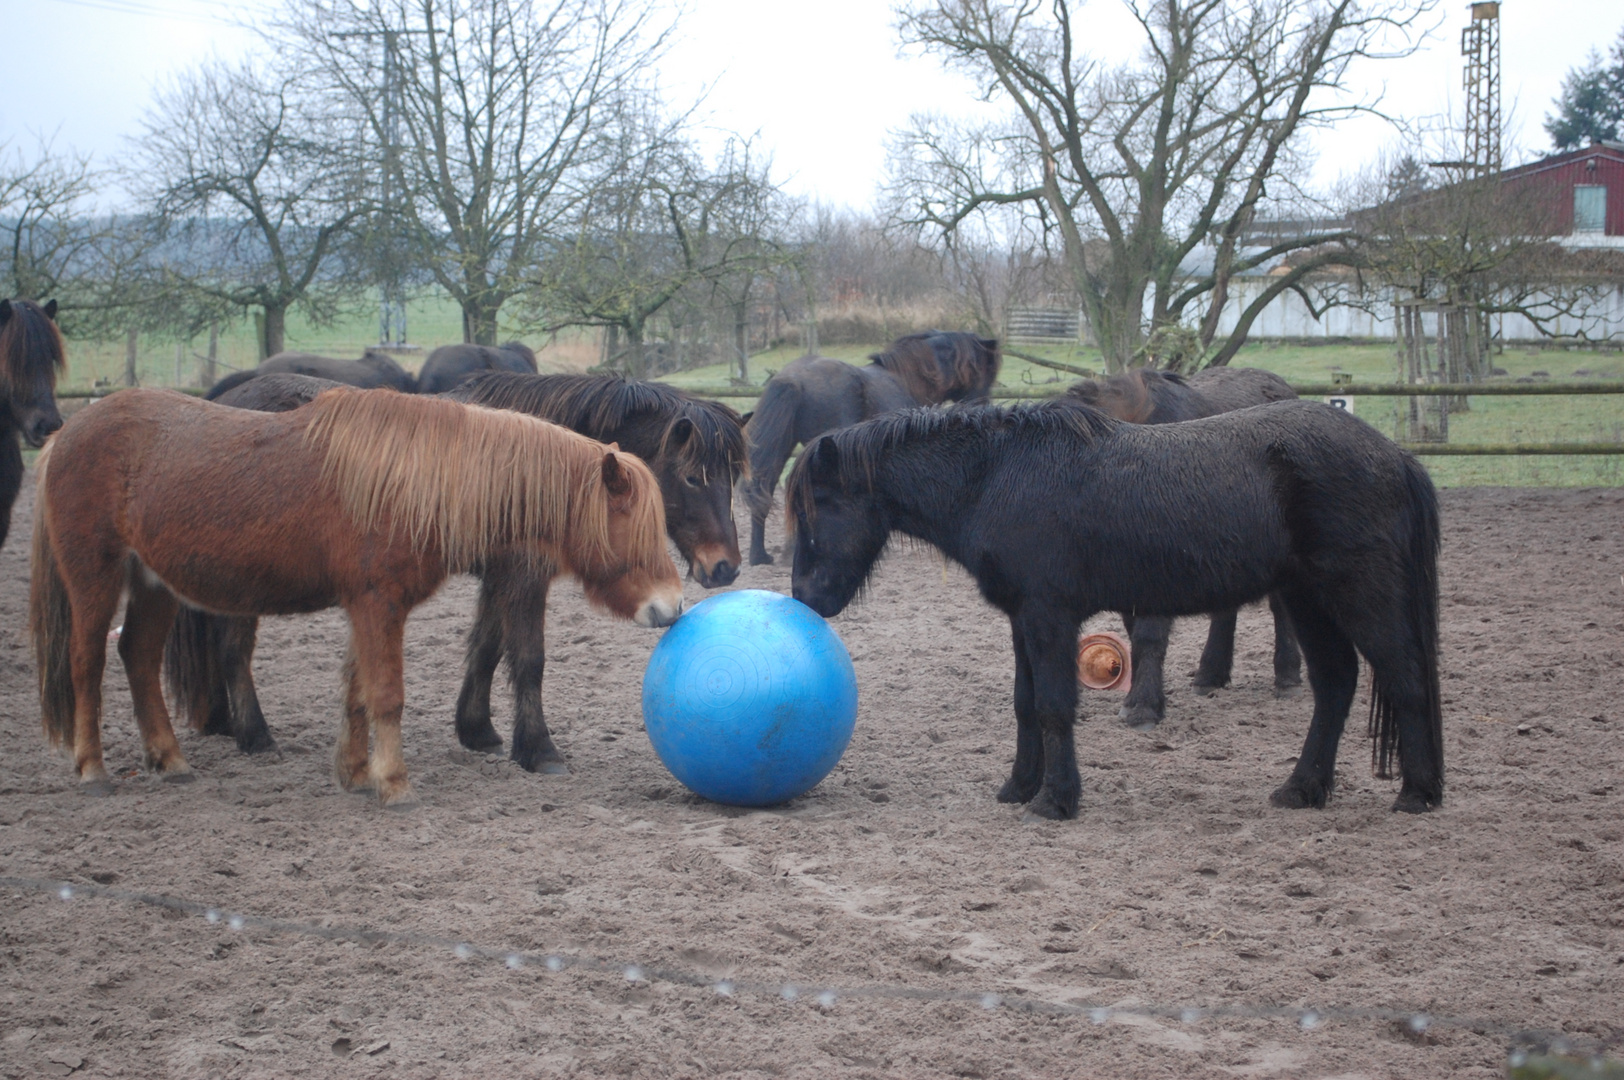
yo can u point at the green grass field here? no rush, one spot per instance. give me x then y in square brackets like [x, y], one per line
[433, 322]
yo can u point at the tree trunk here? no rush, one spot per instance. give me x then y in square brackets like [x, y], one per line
[741, 338]
[636, 357]
[479, 320]
[211, 372]
[276, 326]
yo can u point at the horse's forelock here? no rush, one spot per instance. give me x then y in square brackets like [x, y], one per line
[27, 338]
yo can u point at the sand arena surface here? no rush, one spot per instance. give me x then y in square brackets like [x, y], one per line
[1178, 886]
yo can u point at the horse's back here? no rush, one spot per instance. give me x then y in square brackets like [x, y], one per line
[370, 372]
[275, 393]
[1230, 388]
[449, 366]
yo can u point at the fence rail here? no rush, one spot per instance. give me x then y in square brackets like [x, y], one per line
[1018, 393]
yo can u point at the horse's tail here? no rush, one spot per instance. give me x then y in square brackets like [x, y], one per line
[1419, 537]
[771, 434]
[230, 382]
[192, 666]
[50, 618]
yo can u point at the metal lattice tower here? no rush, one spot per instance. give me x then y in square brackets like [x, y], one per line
[1480, 45]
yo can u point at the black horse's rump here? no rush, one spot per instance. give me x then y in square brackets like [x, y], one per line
[814, 394]
[373, 370]
[1149, 396]
[696, 450]
[450, 366]
[31, 357]
[1060, 512]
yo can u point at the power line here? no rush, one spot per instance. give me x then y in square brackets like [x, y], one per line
[148, 11]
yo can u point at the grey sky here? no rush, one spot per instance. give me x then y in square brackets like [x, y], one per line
[821, 82]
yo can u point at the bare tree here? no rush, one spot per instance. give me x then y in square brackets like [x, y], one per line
[666, 223]
[489, 116]
[1140, 168]
[257, 181]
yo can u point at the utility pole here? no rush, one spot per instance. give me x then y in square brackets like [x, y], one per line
[1480, 45]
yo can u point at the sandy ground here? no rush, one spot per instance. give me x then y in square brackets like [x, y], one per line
[1178, 887]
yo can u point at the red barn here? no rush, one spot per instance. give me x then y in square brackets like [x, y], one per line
[1581, 190]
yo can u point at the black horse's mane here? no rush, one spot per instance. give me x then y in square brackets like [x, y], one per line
[605, 402]
[913, 359]
[861, 447]
[28, 336]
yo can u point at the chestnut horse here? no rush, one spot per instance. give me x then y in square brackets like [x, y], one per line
[30, 358]
[362, 500]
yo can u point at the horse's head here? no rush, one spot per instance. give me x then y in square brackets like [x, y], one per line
[840, 529]
[631, 573]
[524, 353]
[970, 365]
[31, 355]
[701, 454]
[1123, 396]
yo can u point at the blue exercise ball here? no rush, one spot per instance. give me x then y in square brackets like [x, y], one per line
[750, 698]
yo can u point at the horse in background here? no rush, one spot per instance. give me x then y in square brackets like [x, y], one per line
[31, 357]
[815, 394]
[1059, 512]
[696, 451]
[1149, 396]
[450, 366]
[373, 370]
[364, 501]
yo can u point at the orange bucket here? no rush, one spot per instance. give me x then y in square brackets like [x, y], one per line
[1103, 662]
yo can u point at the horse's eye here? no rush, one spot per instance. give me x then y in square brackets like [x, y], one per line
[693, 481]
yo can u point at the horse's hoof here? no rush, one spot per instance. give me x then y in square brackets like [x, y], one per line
[1043, 807]
[1409, 802]
[1293, 795]
[1207, 689]
[548, 768]
[260, 743]
[184, 776]
[483, 739]
[403, 805]
[762, 559]
[99, 788]
[1140, 717]
[1288, 691]
[1013, 792]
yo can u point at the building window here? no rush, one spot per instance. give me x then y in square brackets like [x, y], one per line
[1589, 208]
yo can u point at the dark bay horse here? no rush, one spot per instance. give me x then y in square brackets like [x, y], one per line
[1059, 512]
[1148, 396]
[361, 500]
[374, 369]
[815, 394]
[31, 357]
[696, 450]
[450, 366]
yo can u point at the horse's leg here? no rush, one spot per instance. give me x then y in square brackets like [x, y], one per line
[350, 759]
[1288, 661]
[758, 539]
[147, 619]
[1404, 688]
[237, 639]
[1217, 656]
[93, 604]
[1333, 673]
[526, 604]
[1027, 774]
[474, 728]
[378, 639]
[1051, 650]
[1146, 702]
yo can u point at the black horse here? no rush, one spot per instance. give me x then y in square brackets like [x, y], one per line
[815, 394]
[1148, 396]
[1059, 512]
[450, 366]
[696, 449]
[31, 356]
[373, 370]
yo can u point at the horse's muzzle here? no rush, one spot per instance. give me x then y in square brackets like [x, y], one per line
[659, 611]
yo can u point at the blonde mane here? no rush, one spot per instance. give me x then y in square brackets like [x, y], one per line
[470, 480]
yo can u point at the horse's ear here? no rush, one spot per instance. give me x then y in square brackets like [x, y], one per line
[616, 479]
[50, 309]
[745, 419]
[682, 431]
[5, 312]
[825, 456]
